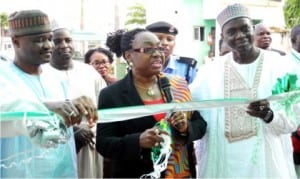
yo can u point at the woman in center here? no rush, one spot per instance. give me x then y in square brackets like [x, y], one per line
[128, 143]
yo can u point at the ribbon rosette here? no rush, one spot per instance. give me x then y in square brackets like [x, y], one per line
[45, 129]
[160, 154]
[48, 131]
[287, 86]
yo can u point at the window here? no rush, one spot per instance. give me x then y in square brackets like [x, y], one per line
[199, 33]
[7, 46]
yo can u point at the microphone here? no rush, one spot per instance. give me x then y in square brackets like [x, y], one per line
[165, 85]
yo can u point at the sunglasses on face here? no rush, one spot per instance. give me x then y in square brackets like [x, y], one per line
[149, 50]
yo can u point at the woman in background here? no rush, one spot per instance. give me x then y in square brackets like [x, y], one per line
[101, 59]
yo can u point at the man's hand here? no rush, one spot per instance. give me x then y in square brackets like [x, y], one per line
[151, 137]
[261, 109]
[87, 108]
[83, 137]
[72, 111]
[67, 110]
[178, 120]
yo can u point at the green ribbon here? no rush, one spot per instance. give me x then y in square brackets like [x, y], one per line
[131, 112]
[160, 154]
[19, 115]
[287, 84]
[165, 126]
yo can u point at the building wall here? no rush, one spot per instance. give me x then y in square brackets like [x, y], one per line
[184, 15]
[187, 14]
[199, 47]
[269, 12]
[6, 47]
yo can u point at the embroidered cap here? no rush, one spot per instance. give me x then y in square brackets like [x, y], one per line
[232, 12]
[162, 27]
[28, 22]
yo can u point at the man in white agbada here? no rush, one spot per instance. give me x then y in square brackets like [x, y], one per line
[28, 89]
[12, 100]
[245, 141]
[81, 79]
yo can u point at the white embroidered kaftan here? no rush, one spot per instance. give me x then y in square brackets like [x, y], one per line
[237, 145]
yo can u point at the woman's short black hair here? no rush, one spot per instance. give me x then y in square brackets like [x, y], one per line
[89, 53]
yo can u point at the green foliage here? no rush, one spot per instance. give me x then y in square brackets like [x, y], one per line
[3, 24]
[3, 19]
[136, 15]
[292, 13]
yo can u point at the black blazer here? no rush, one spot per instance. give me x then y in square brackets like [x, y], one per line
[119, 141]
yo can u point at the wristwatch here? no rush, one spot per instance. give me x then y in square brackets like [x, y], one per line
[269, 117]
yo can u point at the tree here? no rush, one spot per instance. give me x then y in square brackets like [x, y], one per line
[3, 20]
[136, 15]
[3, 25]
[292, 13]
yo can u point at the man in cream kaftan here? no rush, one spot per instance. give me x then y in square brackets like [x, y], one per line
[237, 145]
[82, 80]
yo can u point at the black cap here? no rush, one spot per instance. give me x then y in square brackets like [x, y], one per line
[162, 27]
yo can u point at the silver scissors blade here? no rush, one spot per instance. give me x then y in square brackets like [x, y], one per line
[169, 114]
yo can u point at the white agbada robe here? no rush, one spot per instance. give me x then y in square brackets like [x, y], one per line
[83, 79]
[12, 99]
[20, 157]
[266, 154]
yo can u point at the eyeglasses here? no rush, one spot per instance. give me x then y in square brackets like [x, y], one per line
[98, 63]
[149, 50]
